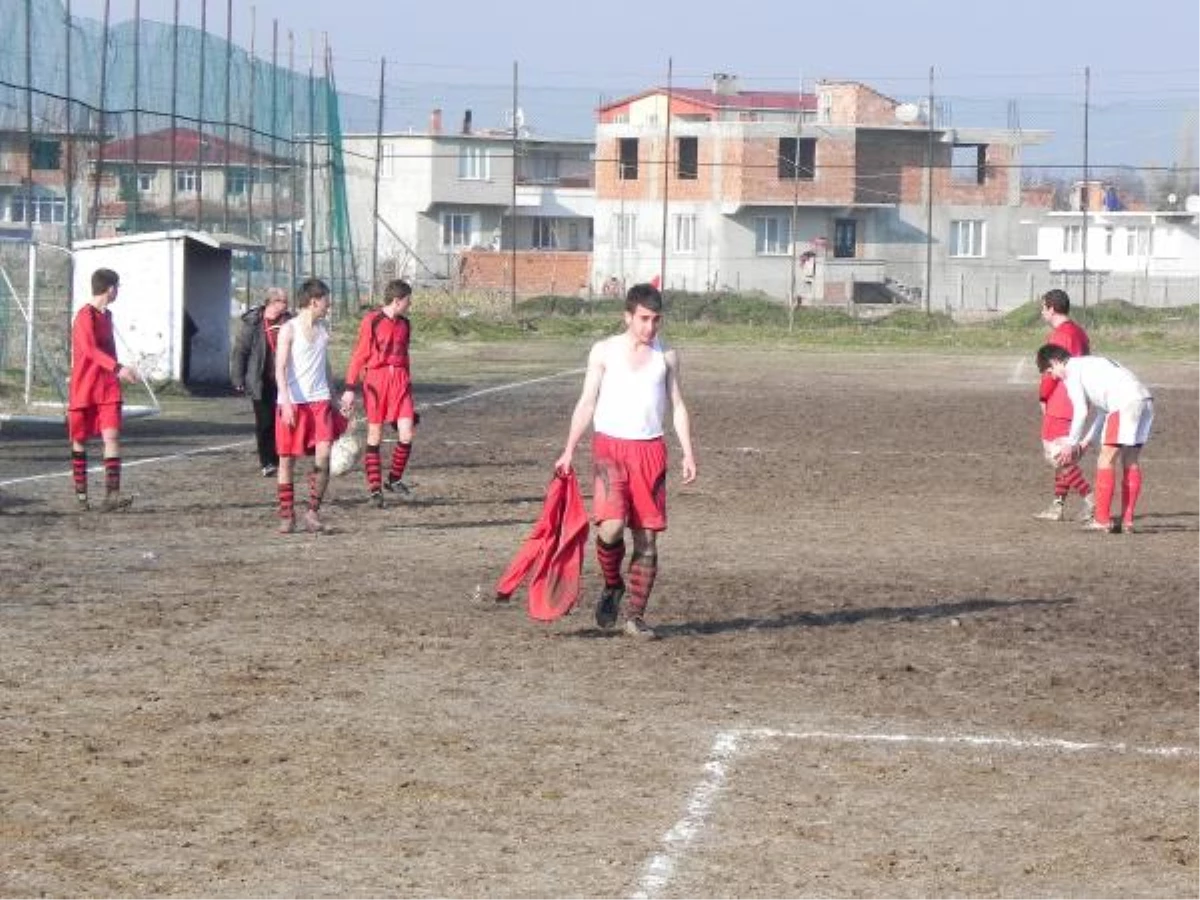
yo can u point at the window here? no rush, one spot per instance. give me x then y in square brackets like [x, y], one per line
[625, 229]
[685, 233]
[473, 163]
[237, 182]
[772, 235]
[967, 237]
[1073, 239]
[145, 182]
[969, 163]
[845, 238]
[45, 155]
[545, 234]
[573, 236]
[540, 169]
[797, 158]
[1108, 241]
[627, 168]
[457, 231]
[1139, 242]
[687, 164]
[38, 210]
[187, 181]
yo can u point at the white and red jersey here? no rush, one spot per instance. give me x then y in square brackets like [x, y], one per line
[1099, 384]
[632, 401]
[307, 365]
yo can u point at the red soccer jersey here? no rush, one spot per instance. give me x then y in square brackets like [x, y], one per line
[382, 341]
[1072, 338]
[93, 360]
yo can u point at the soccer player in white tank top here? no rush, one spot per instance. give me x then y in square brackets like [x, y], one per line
[304, 425]
[630, 379]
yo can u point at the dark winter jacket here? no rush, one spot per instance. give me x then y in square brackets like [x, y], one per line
[252, 361]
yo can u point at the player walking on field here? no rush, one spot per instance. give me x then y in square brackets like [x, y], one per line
[94, 394]
[1056, 409]
[380, 360]
[630, 379]
[306, 423]
[1124, 413]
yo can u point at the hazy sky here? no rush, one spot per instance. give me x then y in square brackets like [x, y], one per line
[1145, 70]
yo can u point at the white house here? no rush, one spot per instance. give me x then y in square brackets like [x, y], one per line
[441, 193]
[167, 278]
[1147, 256]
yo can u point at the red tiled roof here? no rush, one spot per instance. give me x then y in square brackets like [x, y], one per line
[747, 100]
[190, 145]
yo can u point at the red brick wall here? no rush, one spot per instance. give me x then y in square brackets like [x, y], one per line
[538, 271]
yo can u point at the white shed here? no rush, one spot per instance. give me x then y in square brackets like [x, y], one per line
[167, 278]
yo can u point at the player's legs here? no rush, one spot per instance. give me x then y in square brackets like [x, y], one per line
[318, 481]
[1131, 485]
[371, 461]
[79, 472]
[610, 553]
[1105, 485]
[286, 493]
[647, 468]
[110, 436]
[406, 421]
[643, 568]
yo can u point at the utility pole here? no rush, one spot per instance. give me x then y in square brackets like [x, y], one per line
[929, 202]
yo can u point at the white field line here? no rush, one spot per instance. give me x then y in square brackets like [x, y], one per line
[659, 869]
[224, 447]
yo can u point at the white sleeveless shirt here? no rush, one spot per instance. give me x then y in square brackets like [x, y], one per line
[632, 402]
[307, 376]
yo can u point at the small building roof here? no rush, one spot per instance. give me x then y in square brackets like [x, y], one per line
[154, 148]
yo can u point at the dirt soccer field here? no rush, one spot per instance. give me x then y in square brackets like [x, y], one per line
[879, 676]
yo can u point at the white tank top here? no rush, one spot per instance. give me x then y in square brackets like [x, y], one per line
[307, 378]
[631, 402]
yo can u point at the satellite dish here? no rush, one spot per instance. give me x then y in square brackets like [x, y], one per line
[908, 112]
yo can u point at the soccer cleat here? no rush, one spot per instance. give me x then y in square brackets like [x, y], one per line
[636, 627]
[81, 502]
[114, 502]
[312, 522]
[287, 524]
[269, 469]
[398, 487]
[1103, 527]
[1126, 528]
[609, 605]
[376, 499]
[1088, 513]
[1052, 513]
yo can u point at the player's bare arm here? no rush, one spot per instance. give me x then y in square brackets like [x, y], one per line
[679, 416]
[282, 354]
[585, 407]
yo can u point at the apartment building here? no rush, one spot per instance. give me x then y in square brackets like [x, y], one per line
[837, 195]
[184, 178]
[34, 176]
[448, 202]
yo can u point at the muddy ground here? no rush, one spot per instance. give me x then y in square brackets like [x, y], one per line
[878, 675]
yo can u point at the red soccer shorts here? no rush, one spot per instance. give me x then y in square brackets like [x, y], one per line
[631, 481]
[387, 395]
[91, 421]
[316, 423]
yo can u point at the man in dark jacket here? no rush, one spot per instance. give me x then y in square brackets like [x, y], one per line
[252, 370]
